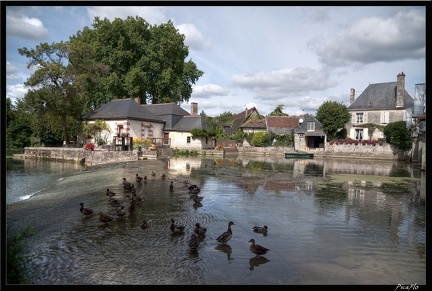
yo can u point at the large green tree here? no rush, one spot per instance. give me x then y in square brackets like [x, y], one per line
[278, 111]
[333, 117]
[52, 98]
[398, 135]
[144, 61]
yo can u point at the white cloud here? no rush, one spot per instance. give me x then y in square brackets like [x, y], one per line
[151, 14]
[209, 90]
[25, 27]
[194, 38]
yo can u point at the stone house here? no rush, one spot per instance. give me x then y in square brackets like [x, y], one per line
[379, 104]
[309, 135]
[241, 120]
[166, 124]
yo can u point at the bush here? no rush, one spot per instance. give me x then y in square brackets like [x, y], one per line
[89, 146]
[398, 135]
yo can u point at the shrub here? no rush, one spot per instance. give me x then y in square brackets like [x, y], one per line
[398, 135]
[89, 146]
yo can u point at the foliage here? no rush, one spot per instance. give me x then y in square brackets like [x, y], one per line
[96, 128]
[143, 60]
[15, 258]
[286, 140]
[239, 136]
[18, 131]
[371, 128]
[201, 132]
[219, 148]
[333, 117]
[262, 139]
[141, 142]
[278, 111]
[179, 152]
[398, 135]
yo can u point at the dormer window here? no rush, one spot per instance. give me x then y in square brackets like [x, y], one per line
[311, 126]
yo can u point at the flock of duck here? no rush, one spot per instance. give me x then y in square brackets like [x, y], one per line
[198, 232]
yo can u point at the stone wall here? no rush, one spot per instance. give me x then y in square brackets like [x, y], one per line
[88, 157]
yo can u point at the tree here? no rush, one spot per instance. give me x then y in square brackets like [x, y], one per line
[144, 61]
[278, 111]
[52, 97]
[18, 122]
[333, 117]
[398, 135]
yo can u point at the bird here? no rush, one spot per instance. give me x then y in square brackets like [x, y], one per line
[194, 242]
[131, 207]
[138, 178]
[126, 184]
[200, 230]
[110, 193]
[186, 183]
[104, 217]
[171, 186]
[153, 174]
[197, 199]
[84, 210]
[146, 224]
[227, 235]
[194, 189]
[163, 176]
[133, 189]
[176, 229]
[115, 203]
[145, 177]
[121, 212]
[258, 250]
[260, 229]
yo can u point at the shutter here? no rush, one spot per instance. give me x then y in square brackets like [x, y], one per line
[353, 118]
[352, 133]
[382, 117]
[365, 133]
[365, 117]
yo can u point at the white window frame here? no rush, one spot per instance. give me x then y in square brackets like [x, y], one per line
[384, 117]
[311, 126]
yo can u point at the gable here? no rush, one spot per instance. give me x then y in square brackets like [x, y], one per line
[240, 119]
[187, 123]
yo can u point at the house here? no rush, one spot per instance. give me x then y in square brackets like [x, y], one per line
[179, 125]
[379, 104]
[242, 118]
[281, 124]
[166, 124]
[309, 135]
[126, 119]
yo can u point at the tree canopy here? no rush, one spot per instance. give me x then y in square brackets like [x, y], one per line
[278, 111]
[333, 116]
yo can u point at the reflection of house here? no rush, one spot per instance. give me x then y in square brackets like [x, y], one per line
[309, 135]
[379, 104]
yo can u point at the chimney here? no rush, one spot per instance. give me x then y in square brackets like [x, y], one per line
[400, 90]
[138, 100]
[194, 108]
[352, 95]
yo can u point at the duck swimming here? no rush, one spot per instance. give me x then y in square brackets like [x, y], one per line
[85, 211]
[227, 235]
[194, 242]
[258, 250]
[200, 230]
[260, 229]
[176, 229]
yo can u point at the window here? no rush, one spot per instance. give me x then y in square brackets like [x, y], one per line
[359, 134]
[311, 126]
[188, 139]
[384, 117]
[359, 117]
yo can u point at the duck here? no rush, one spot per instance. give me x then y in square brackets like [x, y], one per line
[138, 178]
[197, 199]
[105, 218]
[258, 250]
[260, 229]
[191, 187]
[131, 208]
[176, 229]
[200, 230]
[84, 210]
[145, 177]
[146, 224]
[153, 174]
[126, 184]
[133, 189]
[194, 242]
[186, 183]
[163, 176]
[171, 186]
[121, 212]
[110, 193]
[227, 235]
[194, 190]
[115, 203]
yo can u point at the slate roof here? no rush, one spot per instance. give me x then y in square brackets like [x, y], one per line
[380, 96]
[166, 109]
[122, 109]
[302, 128]
[255, 123]
[239, 119]
[187, 123]
[281, 124]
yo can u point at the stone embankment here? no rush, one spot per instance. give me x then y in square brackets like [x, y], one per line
[79, 155]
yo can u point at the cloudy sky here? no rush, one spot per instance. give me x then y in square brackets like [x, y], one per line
[295, 56]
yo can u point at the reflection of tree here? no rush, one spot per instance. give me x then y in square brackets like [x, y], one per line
[256, 262]
[226, 249]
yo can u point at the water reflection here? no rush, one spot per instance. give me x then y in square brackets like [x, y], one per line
[331, 222]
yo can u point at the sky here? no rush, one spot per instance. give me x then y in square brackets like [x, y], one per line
[254, 56]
